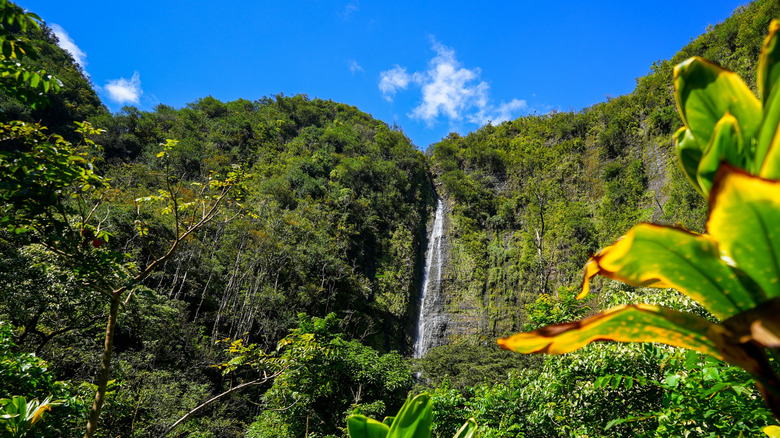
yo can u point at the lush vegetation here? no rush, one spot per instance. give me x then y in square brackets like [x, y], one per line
[533, 198]
[251, 267]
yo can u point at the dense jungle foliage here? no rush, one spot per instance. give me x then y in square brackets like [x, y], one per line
[533, 198]
[296, 304]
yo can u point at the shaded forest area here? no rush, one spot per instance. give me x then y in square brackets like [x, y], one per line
[310, 271]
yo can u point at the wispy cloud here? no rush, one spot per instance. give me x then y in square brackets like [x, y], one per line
[501, 113]
[350, 10]
[67, 44]
[390, 81]
[123, 90]
[449, 90]
[354, 67]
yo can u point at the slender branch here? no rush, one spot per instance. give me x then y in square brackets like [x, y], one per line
[141, 233]
[149, 268]
[91, 212]
[258, 381]
[105, 218]
[173, 197]
[45, 338]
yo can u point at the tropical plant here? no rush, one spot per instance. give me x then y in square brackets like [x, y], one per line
[16, 78]
[326, 376]
[18, 416]
[729, 150]
[701, 395]
[414, 420]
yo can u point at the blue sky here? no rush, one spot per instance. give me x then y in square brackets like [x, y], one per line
[432, 67]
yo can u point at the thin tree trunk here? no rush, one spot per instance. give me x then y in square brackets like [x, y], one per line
[105, 369]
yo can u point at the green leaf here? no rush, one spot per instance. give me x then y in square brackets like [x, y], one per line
[745, 221]
[8, 49]
[34, 80]
[359, 426]
[658, 256]
[414, 419]
[671, 380]
[726, 144]
[689, 153]
[766, 147]
[627, 323]
[617, 422]
[468, 430]
[705, 92]
[769, 63]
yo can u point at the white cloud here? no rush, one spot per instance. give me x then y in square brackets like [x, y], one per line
[501, 113]
[67, 44]
[125, 90]
[390, 81]
[354, 67]
[450, 90]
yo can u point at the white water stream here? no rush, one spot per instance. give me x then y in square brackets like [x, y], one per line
[429, 294]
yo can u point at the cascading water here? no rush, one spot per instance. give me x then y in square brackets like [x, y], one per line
[429, 302]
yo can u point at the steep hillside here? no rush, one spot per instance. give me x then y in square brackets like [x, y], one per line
[337, 207]
[75, 102]
[532, 198]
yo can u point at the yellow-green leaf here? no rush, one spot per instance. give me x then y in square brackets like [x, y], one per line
[745, 221]
[770, 164]
[772, 431]
[627, 323]
[659, 256]
[705, 92]
[769, 62]
[766, 144]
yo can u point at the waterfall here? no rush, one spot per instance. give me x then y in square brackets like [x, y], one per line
[429, 320]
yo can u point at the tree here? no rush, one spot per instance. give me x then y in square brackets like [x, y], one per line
[17, 79]
[51, 191]
[327, 377]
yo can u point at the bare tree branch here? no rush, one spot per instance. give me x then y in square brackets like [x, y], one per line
[258, 381]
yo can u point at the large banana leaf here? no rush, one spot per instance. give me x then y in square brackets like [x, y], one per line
[414, 420]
